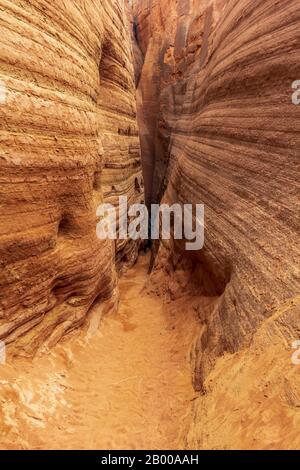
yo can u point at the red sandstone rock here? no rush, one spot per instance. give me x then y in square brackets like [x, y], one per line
[69, 141]
[219, 128]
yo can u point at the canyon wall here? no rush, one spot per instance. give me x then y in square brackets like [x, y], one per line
[69, 141]
[219, 128]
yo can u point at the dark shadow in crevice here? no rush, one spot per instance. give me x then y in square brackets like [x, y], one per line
[65, 226]
[97, 181]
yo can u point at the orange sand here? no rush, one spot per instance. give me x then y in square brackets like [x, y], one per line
[128, 386]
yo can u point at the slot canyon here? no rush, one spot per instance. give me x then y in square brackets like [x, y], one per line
[128, 344]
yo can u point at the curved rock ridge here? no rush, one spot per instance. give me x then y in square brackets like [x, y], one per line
[69, 141]
[219, 128]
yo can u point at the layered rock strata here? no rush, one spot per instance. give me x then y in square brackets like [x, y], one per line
[69, 141]
[219, 128]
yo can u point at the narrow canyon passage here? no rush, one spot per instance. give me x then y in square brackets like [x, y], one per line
[126, 386]
[120, 108]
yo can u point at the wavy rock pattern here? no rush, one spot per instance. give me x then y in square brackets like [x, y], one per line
[219, 128]
[69, 141]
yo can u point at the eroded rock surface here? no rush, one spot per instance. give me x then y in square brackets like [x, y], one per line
[69, 141]
[219, 128]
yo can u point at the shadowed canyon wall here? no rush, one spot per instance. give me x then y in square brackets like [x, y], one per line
[218, 127]
[69, 141]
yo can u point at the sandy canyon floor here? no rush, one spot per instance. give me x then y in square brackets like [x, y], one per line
[127, 386]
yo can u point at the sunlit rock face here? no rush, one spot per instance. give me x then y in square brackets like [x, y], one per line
[69, 141]
[218, 127]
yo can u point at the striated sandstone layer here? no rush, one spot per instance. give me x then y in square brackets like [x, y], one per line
[69, 141]
[219, 128]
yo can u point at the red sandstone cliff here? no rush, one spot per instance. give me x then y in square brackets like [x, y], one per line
[219, 128]
[69, 141]
[215, 97]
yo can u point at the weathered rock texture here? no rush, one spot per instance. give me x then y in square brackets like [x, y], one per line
[219, 128]
[68, 142]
